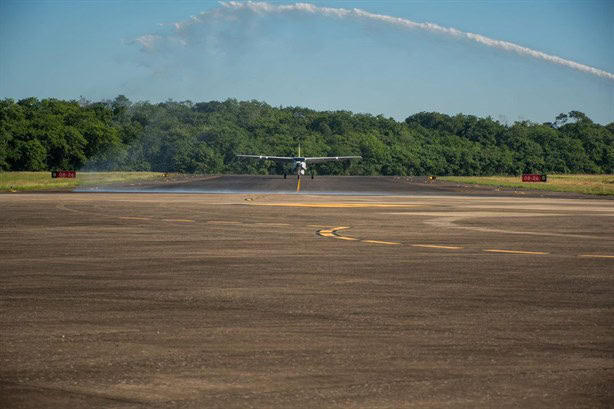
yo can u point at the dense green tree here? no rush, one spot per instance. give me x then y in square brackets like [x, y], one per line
[205, 137]
[32, 155]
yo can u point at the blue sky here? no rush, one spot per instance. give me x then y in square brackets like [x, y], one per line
[68, 49]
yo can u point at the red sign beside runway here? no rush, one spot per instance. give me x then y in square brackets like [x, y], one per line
[70, 174]
[534, 178]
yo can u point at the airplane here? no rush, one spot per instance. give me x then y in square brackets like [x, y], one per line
[299, 163]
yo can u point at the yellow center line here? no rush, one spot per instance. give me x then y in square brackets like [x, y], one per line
[345, 238]
[380, 242]
[178, 220]
[596, 255]
[298, 185]
[134, 218]
[515, 251]
[433, 246]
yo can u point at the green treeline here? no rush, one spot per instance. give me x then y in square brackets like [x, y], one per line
[204, 137]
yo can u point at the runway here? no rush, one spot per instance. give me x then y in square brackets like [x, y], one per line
[410, 294]
[320, 185]
[274, 184]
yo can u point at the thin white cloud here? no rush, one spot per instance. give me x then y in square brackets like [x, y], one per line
[147, 41]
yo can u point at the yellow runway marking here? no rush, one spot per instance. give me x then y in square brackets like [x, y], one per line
[331, 233]
[331, 205]
[595, 256]
[345, 238]
[433, 246]
[222, 222]
[515, 251]
[134, 218]
[298, 185]
[380, 242]
[178, 220]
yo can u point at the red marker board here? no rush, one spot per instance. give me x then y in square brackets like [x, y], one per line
[534, 178]
[70, 174]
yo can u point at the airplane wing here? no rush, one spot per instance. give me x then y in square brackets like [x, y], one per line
[330, 158]
[264, 157]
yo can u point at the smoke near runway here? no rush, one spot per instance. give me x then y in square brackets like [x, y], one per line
[240, 12]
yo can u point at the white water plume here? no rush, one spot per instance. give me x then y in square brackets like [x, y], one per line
[262, 8]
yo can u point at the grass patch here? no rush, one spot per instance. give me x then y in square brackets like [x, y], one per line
[20, 181]
[585, 184]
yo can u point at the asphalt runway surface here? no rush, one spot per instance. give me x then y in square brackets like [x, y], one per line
[382, 293]
[321, 185]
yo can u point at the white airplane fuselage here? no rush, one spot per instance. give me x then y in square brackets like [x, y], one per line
[299, 166]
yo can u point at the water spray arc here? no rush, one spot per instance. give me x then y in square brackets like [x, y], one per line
[358, 14]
